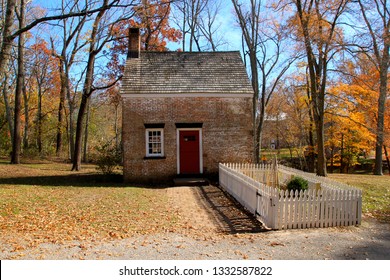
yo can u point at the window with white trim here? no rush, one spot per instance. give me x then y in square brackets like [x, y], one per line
[154, 142]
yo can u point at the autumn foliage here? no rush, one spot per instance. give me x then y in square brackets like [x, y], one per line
[152, 18]
[332, 85]
[353, 116]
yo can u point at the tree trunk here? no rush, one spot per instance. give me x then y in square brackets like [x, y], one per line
[79, 132]
[259, 130]
[71, 137]
[257, 144]
[311, 141]
[87, 89]
[332, 160]
[255, 86]
[321, 157]
[26, 143]
[16, 145]
[342, 154]
[8, 110]
[39, 119]
[117, 131]
[85, 155]
[387, 158]
[312, 154]
[61, 109]
[381, 115]
[184, 27]
[6, 42]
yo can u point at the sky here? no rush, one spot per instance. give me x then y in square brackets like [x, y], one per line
[228, 26]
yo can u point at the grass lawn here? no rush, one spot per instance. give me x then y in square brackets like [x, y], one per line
[45, 202]
[376, 193]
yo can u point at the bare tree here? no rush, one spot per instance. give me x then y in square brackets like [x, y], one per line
[209, 26]
[189, 19]
[249, 23]
[198, 21]
[272, 67]
[99, 36]
[263, 42]
[9, 34]
[71, 33]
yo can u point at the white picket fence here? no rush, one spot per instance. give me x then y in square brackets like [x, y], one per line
[326, 203]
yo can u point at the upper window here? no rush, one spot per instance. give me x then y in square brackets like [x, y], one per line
[154, 142]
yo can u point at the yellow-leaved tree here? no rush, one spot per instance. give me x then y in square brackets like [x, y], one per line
[353, 112]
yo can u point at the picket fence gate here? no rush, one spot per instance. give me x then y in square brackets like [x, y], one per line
[326, 203]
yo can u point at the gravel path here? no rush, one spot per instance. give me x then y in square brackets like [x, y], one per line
[217, 229]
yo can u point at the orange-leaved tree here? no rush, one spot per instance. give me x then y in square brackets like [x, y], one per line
[375, 44]
[43, 84]
[352, 107]
[152, 17]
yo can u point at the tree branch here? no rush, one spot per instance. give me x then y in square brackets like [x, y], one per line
[107, 86]
[85, 12]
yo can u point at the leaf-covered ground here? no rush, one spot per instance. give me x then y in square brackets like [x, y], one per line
[48, 203]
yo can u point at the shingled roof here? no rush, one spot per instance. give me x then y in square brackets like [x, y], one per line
[186, 73]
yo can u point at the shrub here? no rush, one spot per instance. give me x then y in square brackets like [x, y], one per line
[297, 184]
[108, 159]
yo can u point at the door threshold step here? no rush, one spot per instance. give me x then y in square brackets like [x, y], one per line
[193, 181]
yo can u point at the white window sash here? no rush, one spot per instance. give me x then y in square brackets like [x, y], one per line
[155, 141]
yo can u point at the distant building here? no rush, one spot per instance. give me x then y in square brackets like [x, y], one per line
[183, 113]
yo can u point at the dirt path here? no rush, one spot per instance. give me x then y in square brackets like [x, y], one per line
[209, 211]
[214, 227]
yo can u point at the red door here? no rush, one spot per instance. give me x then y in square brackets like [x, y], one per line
[189, 152]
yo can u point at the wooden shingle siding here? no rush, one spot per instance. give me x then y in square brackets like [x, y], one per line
[183, 72]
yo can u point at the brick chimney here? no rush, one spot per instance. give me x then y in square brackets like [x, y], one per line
[134, 43]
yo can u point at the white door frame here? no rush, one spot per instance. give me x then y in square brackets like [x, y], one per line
[200, 147]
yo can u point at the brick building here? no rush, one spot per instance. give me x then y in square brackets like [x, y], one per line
[183, 113]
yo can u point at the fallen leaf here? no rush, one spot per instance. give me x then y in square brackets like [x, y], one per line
[273, 244]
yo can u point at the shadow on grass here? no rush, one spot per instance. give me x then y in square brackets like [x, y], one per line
[92, 180]
[73, 180]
